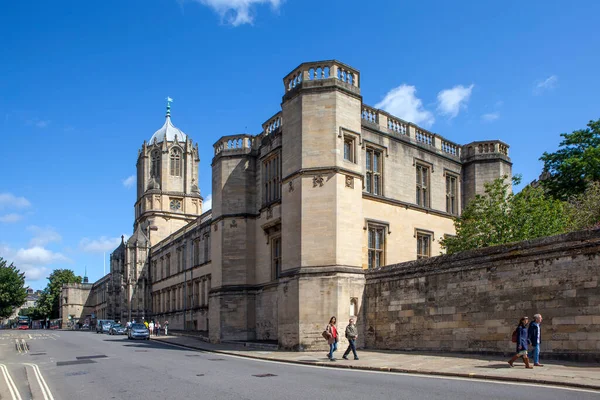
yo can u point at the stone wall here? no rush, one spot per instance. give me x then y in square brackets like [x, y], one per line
[472, 301]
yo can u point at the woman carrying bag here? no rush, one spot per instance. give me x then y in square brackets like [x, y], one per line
[332, 338]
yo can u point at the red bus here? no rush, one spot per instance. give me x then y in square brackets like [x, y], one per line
[23, 322]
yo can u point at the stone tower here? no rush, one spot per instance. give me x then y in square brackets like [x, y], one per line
[321, 199]
[483, 162]
[168, 196]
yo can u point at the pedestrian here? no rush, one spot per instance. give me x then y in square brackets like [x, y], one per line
[157, 329]
[151, 327]
[166, 328]
[351, 335]
[521, 336]
[534, 333]
[332, 338]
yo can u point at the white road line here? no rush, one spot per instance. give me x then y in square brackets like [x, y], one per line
[18, 345]
[362, 371]
[30, 337]
[42, 382]
[24, 346]
[14, 392]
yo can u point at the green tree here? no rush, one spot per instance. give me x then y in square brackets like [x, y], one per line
[499, 217]
[49, 301]
[575, 164]
[12, 288]
[584, 209]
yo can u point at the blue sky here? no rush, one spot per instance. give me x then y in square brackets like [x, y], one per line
[83, 84]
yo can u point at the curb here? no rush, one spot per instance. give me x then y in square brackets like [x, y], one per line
[401, 370]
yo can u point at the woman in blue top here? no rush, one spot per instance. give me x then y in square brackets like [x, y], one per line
[521, 343]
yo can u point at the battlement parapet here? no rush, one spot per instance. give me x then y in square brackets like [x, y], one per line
[488, 149]
[273, 124]
[322, 73]
[385, 122]
[234, 144]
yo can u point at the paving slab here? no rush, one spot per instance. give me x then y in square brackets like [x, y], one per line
[561, 373]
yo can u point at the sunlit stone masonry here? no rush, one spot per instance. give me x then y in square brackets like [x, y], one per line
[329, 188]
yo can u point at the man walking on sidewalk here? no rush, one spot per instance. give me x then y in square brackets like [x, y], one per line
[534, 333]
[351, 335]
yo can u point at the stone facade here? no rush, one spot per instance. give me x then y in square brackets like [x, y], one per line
[472, 301]
[330, 188]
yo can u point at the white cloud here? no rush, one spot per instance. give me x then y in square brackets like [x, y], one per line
[32, 261]
[9, 200]
[100, 245]
[37, 255]
[489, 117]
[545, 85]
[207, 203]
[11, 218]
[237, 12]
[34, 273]
[129, 181]
[450, 101]
[43, 236]
[402, 102]
[38, 123]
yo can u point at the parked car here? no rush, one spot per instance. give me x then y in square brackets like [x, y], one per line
[117, 329]
[138, 331]
[103, 325]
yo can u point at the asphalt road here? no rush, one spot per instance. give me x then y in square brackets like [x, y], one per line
[56, 365]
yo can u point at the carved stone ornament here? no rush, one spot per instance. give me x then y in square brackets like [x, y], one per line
[349, 181]
[318, 180]
[233, 224]
[291, 186]
[269, 213]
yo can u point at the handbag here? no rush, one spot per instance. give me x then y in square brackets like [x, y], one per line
[326, 335]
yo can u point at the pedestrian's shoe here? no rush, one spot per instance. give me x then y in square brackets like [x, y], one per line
[332, 359]
[356, 358]
[527, 365]
[345, 357]
[538, 365]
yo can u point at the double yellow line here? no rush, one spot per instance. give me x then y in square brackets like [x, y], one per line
[21, 346]
[12, 388]
[42, 382]
[14, 391]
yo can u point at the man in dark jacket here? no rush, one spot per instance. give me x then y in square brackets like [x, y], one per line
[534, 335]
[351, 335]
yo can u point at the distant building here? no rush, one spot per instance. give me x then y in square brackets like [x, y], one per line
[329, 188]
[30, 302]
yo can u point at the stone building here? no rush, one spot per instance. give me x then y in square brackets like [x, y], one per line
[329, 188]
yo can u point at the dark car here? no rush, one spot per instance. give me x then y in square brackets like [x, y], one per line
[138, 331]
[117, 329]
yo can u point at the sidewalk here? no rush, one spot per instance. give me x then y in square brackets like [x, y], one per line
[561, 373]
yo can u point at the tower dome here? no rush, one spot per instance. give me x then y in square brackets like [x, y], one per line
[168, 132]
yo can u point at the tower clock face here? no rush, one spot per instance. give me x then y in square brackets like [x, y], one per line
[175, 205]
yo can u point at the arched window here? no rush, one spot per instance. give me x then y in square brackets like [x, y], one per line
[155, 164]
[176, 162]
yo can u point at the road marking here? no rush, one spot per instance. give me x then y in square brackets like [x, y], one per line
[24, 346]
[18, 345]
[362, 371]
[30, 337]
[14, 392]
[42, 382]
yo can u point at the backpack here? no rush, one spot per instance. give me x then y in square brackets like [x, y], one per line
[515, 336]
